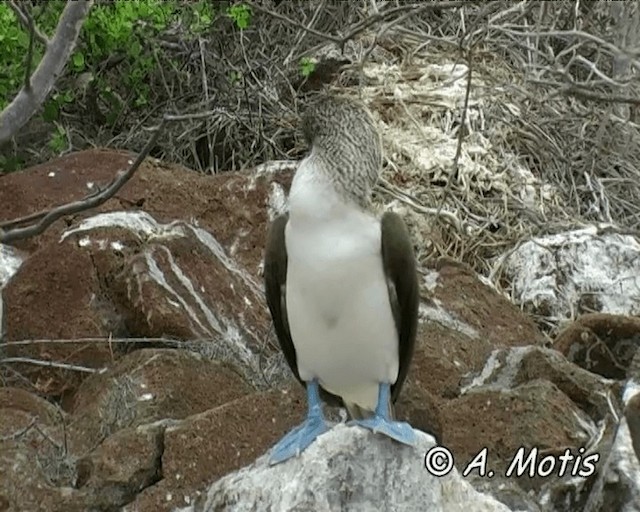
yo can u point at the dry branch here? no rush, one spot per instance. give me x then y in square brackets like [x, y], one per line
[91, 201]
[59, 49]
[49, 364]
[48, 217]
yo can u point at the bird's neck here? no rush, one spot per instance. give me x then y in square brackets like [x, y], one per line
[314, 197]
[321, 185]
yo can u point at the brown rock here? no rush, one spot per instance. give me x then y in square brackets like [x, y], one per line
[35, 429]
[105, 286]
[534, 415]
[24, 486]
[493, 316]
[508, 368]
[126, 463]
[207, 446]
[20, 400]
[36, 470]
[183, 289]
[57, 300]
[558, 407]
[462, 322]
[593, 395]
[232, 206]
[145, 386]
[601, 343]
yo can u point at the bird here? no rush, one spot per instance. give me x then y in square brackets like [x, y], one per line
[341, 282]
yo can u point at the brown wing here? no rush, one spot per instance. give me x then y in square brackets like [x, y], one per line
[275, 281]
[402, 278]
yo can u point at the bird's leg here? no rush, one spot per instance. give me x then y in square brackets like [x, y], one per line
[383, 424]
[303, 435]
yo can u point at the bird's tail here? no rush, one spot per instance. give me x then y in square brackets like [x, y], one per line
[356, 412]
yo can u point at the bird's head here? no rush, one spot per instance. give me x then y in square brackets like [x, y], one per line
[345, 144]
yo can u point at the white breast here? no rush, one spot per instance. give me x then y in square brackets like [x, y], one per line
[337, 298]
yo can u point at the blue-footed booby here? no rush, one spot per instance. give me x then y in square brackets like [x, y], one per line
[341, 283]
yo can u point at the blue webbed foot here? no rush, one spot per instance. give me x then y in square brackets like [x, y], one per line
[381, 423]
[293, 443]
[398, 430]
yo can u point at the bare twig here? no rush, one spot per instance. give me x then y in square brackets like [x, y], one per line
[605, 98]
[49, 364]
[578, 34]
[27, 22]
[303, 33]
[405, 198]
[86, 203]
[21, 432]
[29, 63]
[94, 340]
[414, 9]
[281, 17]
[453, 175]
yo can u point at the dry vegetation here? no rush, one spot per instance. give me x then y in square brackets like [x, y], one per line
[501, 120]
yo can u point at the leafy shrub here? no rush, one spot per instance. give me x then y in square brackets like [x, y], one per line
[133, 61]
[240, 14]
[122, 34]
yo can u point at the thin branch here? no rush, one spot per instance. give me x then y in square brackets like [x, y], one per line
[29, 99]
[21, 220]
[414, 203]
[580, 92]
[303, 33]
[199, 115]
[86, 203]
[29, 63]
[93, 340]
[615, 50]
[463, 119]
[385, 15]
[21, 432]
[2, 320]
[205, 88]
[362, 26]
[281, 17]
[27, 22]
[50, 364]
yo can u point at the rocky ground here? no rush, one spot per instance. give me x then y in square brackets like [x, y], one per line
[140, 372]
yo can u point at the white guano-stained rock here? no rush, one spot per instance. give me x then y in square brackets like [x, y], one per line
[346, 469]
[559, 276]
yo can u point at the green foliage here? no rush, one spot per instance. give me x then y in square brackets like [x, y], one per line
[122, 29]
[78, 61]
[122, 32]
[307, 66]
[58, 141]
[240, 14]
[235, 77]
[10, 163]
[202, 17]
[51, 108]
[14, 43]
